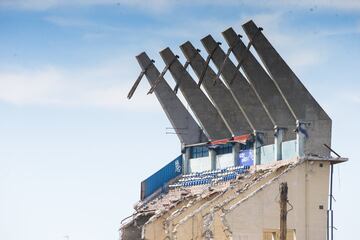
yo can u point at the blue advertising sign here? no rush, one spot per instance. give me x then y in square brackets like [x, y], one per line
[246, 157]
[158, 181]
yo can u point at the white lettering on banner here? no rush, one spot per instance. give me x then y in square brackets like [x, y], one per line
[177, 166]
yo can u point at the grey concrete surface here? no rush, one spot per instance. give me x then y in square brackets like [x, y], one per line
[133, 230]
[181, 120]
[218, 93]
[241, 90]
[201, 106]
[302, 103]
[263, 85]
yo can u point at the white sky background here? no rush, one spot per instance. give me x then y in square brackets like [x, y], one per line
[73, 148]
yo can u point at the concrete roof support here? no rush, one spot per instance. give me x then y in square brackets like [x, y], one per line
[263, 85]
[183, 123]
[241, 90]
[203, 109]
[218, 93]
[302, 103]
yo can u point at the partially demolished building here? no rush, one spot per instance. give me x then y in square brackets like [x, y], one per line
[253, 126]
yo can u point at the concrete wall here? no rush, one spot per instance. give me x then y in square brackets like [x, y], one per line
[224, 160]
[200, 164]
[308, 190]
[133, 230]
[187, 222]
[251, 207]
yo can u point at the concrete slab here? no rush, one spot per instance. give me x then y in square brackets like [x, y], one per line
[265, 87]
[219, 93]
[302, 103]
[242, 91]
[181, 120]
[205, 112]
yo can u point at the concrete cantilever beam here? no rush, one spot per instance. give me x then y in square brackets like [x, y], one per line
[201, 106]
[302, 103]
[263, 85]
[241, 91]
[219, 94]
[183, 123]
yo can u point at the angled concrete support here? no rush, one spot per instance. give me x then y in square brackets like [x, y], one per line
[219, 94]
[181, 120]
[302, 103]
[241, 91]
[263, 85]
[205, 112]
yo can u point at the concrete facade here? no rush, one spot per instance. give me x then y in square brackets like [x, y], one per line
[250, 208]
[304, 106]
[221, 97]
[181, 120]
[204, 110]
[308, 194]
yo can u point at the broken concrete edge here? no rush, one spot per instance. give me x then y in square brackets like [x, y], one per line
[133, 217]
[206, 193]
[208, 203]
[221, 189]
[289, 165]
[246, 186]
[289, 168]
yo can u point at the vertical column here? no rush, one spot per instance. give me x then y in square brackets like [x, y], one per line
[279, 134]
[212, 155]
[235, 153]
[186, 157]
[257, 147]
[301, 135]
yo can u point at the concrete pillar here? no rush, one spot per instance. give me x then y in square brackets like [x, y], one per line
[262, 84]
[257, 147]
[301, 137]
[212, 156]
[201, 106]
[219, 93]
[302, 103]
[186, 162]
[279, 135]
[181, 120]
[242, 92]
[235, 153]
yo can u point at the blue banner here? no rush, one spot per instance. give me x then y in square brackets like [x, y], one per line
[246, 157]
[159, 180]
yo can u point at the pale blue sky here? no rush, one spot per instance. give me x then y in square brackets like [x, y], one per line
[73, 149]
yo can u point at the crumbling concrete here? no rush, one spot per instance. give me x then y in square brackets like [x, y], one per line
[133, 229]
[245, 208]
